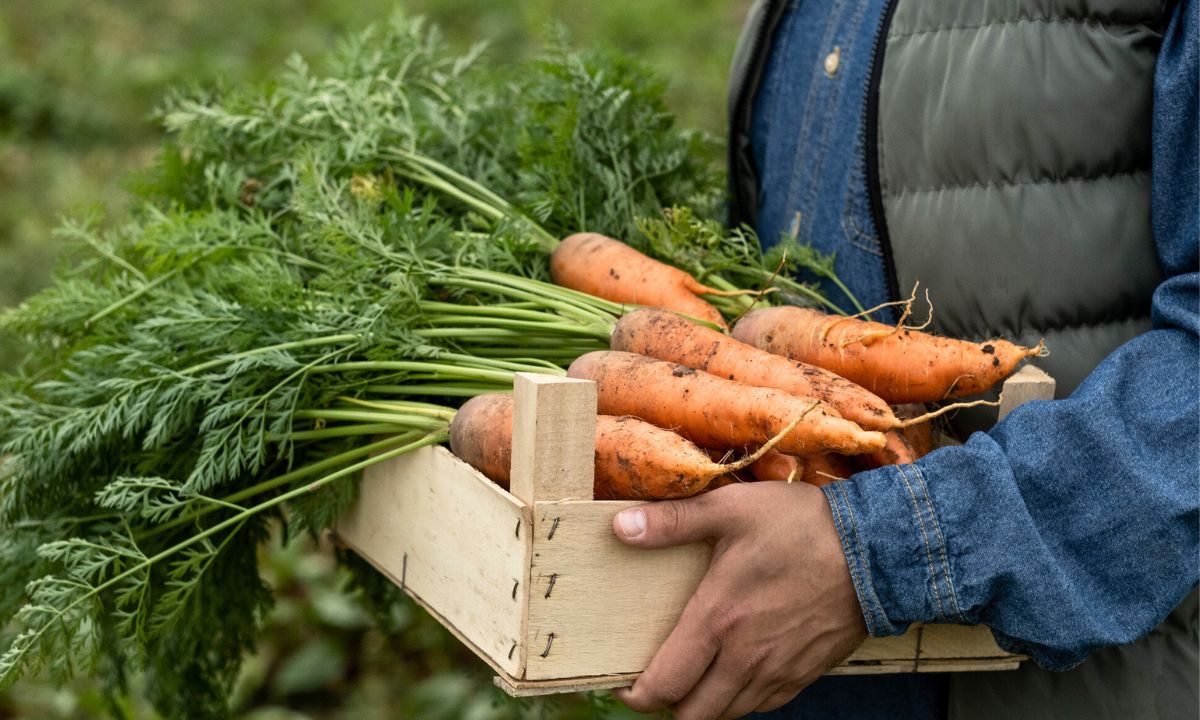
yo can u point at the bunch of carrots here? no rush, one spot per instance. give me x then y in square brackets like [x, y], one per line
[801, 395]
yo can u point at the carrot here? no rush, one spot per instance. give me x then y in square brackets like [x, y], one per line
[481, 435]
[898, 364]
[668, 336]
[897, 451]
[612, 270]
[919, 435]
[813, 469]
[634, 459]
[821, 470]
[638, 461]
[777, 466]
[716, 412]
[723, 480]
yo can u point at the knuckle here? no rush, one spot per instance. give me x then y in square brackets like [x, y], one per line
[756, 659]
[661, 696]
[723, 620]
[670, 518]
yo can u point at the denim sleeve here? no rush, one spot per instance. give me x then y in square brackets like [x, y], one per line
[1074, 523]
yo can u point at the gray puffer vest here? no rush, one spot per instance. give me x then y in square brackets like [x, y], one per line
[1012, 180]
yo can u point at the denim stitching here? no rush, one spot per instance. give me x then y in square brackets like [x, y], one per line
[933, 581]
[937, 530]
[777, 62]
[1002, 185]
[877, 606]
[855, 235]
[1063, 20]
[859, 238]
[851, 562]
[833, 99]
[861, 562]
[810, 117]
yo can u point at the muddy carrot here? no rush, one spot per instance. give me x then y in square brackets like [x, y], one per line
[812, 469]
[716, 412]
[634, 459]
[897, 364]
[481, 435]
[668, 336]
[821, 470]
[919, 435]
[612, 270]
[777, 466]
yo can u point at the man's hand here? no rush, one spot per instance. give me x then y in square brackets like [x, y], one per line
[775, 610]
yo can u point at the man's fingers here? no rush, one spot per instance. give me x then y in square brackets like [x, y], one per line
[725, 680]
[679, 663]
[774, 701]
[674, 522]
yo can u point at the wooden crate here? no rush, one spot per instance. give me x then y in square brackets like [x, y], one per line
[531, 580]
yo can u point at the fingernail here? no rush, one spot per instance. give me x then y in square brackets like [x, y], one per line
[632, 522]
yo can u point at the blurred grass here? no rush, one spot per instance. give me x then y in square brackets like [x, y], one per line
[78, 82]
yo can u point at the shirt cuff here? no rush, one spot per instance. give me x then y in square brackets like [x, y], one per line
[895, 549]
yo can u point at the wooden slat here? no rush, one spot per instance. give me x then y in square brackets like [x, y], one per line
[1011, 662]
[896, 647]
[554, 438]
[948, 642]
[609, 606]
[450, 537]
[533, 688]
[1028, 383]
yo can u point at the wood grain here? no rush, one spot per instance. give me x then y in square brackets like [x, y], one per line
[448, 536]
[609, 606]
[1028, 383]
[554, 438]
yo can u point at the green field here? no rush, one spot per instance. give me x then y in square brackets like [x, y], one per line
[79, 82]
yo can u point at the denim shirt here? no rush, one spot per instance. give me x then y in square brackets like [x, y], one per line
[1073, 524]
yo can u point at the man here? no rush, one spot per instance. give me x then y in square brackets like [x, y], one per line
[1034, 164]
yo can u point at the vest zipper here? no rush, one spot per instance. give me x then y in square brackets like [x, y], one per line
[874, 191]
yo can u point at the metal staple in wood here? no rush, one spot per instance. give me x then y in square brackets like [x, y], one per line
[514, 592]
[553, 528]
[403, 572]
[549, 642]
[517, 532]
[512, 649]
[553, 578]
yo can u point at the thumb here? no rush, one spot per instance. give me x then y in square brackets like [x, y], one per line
[672, 522]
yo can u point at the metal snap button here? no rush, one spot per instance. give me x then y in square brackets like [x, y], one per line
[832, 60]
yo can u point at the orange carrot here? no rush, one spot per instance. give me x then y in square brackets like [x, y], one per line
[919, 435]
[634, 459]
[668, 336]
[775, 465]
[897, 364]
[897, 451]
[612, 270]
[716, 412]
[481, 435]
[638, 461]
[821, 470]
[813, 469]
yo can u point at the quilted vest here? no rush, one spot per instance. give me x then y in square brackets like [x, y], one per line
[1020, 197]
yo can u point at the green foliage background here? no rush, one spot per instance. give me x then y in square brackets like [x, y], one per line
[78, 81]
